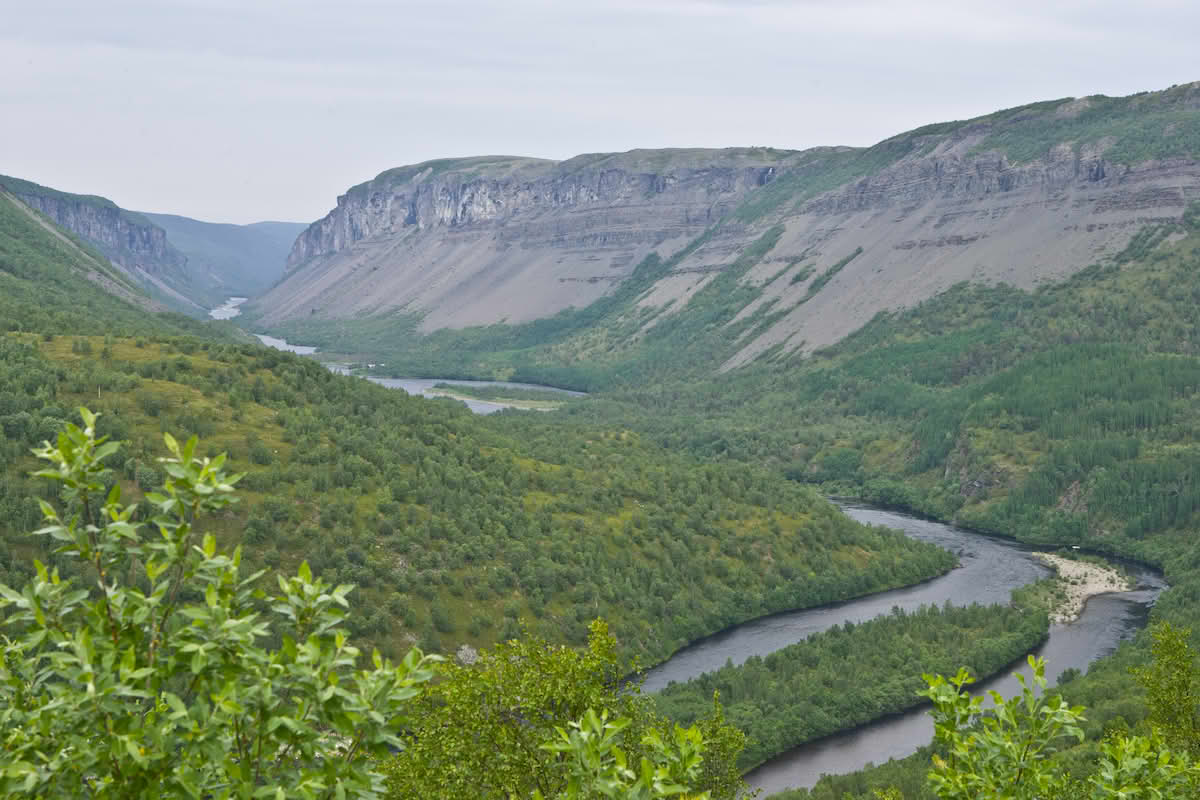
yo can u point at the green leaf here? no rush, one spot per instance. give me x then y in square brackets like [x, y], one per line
[106, 450]
[135, 752]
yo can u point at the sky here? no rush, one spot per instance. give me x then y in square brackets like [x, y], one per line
[246, 110]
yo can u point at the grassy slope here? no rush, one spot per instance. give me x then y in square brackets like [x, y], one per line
[220, 259]
[43, 269]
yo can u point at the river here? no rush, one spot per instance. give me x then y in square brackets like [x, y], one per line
[281, 344]
[424, 386]
[990, 569]
[229, 310]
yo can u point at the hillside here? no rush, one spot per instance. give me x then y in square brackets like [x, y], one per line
[452, 529]
[53, 281]
[183, 263]
[235, 260]
[766, 252]
[129, 240]
[1066, 415]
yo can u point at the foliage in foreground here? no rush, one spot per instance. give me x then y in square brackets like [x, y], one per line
[158, 682]
[1006, 754]
[476, 731]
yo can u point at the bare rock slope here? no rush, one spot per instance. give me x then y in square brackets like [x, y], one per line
[1021, 196]
[493, 239]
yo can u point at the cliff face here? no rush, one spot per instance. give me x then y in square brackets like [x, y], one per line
[133, 245]
[189, 264]
[483, 240]
[1023, 196]
[129, 240]
[950, 211]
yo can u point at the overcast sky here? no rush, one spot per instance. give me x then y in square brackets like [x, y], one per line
[243, 110]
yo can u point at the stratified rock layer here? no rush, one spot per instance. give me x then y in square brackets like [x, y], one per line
[127, 239]
[505, 239]
[1024, 196]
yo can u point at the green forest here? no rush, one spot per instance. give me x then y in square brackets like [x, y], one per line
[673, 502]
[1061, 416]
[453, 531]
[852, 674]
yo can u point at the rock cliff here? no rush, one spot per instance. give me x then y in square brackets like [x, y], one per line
[1023, 196]
[127, 239]
[491, 239]
[191, 265]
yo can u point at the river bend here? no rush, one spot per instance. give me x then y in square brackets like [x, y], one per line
[990, 569]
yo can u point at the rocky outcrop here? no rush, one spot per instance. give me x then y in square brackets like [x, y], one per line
[484, 240]
[94, 268]
[1024, 196]
[129, 240]
[955, 213]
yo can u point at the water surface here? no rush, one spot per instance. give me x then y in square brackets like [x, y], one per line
[424, 388]
[281, 344]
[990, 569]
[229, 310]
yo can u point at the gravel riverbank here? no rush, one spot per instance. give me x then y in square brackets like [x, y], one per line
[1081, 580]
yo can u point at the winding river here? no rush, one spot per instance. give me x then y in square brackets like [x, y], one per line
[990, 569]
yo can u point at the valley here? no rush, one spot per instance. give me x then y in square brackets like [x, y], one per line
[657, 367]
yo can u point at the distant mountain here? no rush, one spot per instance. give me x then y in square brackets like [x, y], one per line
[127, 239]
[53, 282]
[237, 259]
[189, 265]
[783, 251]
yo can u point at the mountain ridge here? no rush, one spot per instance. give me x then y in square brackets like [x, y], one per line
[187, 264]
[127, 239]
[1023, 196]
[503, 242]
